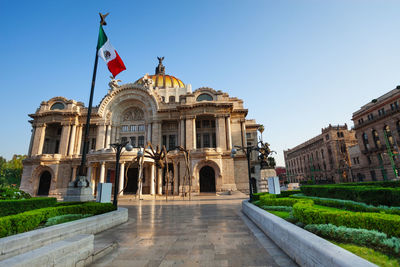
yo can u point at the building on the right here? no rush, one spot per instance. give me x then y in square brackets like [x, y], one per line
[377, 126]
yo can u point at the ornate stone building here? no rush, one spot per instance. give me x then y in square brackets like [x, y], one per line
[324, 158]
[157, 108]
[377, 126]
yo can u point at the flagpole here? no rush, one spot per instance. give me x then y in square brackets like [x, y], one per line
[89, 113]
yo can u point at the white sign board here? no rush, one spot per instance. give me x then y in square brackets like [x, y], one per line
[104, 192]
[273, 185]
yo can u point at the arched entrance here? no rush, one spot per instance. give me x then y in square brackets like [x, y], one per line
[207, 179]
[132, 183]
[44, 184]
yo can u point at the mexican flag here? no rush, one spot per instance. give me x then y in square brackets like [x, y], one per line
[107, 52]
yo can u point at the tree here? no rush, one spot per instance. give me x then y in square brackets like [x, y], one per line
[11, 171]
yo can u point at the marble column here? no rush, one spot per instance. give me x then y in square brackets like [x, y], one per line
[72, 140]
[243, 131]
[228, 132]
[157, 134]
[152, 179]
[182, 132]
[108, 137]
[79, 140]
[159, 181]
[220, 132]
[102, 172]
[74, 168]
[121, 178]
[38, 140]
[100, 137]
[31, 141]
[190, 132]
[89, 173]
[64, 139]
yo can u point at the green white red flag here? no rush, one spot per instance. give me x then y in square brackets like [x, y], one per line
[107, 52]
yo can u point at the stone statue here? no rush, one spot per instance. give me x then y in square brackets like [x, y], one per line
[114, 83]
[147, 81]
[265, 151]
[160, 69]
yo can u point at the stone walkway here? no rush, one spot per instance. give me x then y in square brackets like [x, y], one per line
[206, 231]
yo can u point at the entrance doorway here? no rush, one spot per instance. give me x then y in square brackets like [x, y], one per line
[132, 185]
[44, 184]
[207, 179]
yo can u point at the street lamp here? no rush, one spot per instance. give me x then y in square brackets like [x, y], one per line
[118, 151]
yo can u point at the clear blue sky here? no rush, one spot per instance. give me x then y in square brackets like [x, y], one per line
[298, 65]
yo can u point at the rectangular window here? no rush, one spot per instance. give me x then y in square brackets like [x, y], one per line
[141, 141]
[123, 139]
[141, 128]
[206, 140]
[133, 141]
[212, 123]
[206, 124]
[214, 140]
[164, 140]
[172, 142]
[93, 146]
[198, 141]
[248, 135]
[370, 117]
[198, 124]
[125, 128]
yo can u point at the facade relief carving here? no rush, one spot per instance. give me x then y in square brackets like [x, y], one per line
[134, 114]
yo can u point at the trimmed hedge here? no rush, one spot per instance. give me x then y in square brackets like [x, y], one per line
[307, 213]
[277, 208]
[269, 201]
[11, 192]
[377, 184]
[362, 237]
[349, 204]
[288, 193]
[65, 218]
[256, 196]
[367, 194]
[9, 207]
[30, 220]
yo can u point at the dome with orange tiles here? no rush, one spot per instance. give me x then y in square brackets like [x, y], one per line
[162, 80]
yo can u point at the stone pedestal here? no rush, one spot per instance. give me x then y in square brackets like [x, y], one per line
[262, 179]
[79, 190]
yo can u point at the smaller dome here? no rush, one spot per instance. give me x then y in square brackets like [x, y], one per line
[163, 81]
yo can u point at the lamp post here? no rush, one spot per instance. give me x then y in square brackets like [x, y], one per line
[118, 151]
[140, 156]
[247, 150]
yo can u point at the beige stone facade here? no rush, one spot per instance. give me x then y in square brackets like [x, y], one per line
[158, 108]
[377, 126]
[324, 158]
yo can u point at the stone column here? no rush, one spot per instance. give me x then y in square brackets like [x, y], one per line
[38, 140]
[157, 134]
[243, 131]
[108, 137]
[182, 132]
[152, 179]
[159, 181]
[121, 178]
[74, 168]
[176, 179]
[228, 132]
[64, 139]
[102, 172]
[220, 132]
[79, 140]
[148, 133]
[72, 140]
[100, 137]
[31, 141]
[89, 173]
[191, 132]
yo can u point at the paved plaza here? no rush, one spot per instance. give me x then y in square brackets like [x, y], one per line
[206, 231]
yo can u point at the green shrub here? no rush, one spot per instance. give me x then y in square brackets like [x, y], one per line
[268, 201]
[65, 218]
[69, 203]
[9, 207]
[288, 193]
[277, 208]
[362, 237]
[377, 184]
[30, 220]
[368, 194]
[309, 214]
[11, 192]
[349, 204]
[256, 196]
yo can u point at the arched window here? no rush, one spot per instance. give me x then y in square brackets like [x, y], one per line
[388, 134]
[57, 105]
[204, 97]
[171, 99]
[375, 136]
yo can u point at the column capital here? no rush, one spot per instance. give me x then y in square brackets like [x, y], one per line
[40, 124]
[190, 117]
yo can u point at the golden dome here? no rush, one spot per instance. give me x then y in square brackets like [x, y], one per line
[163, 81]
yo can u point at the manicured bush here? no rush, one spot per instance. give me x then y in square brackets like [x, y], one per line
[362, 237]
[277, 208]
[288, 193]
[68, 203]
[371, 195]
[307, 213]
[377, 184]
[9, 207]
[11, 192]
[349, 204]
[65, 218]
[256, 196]
[268, 201]
[30, 220]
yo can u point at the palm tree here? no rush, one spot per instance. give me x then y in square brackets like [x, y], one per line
[261, 130]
